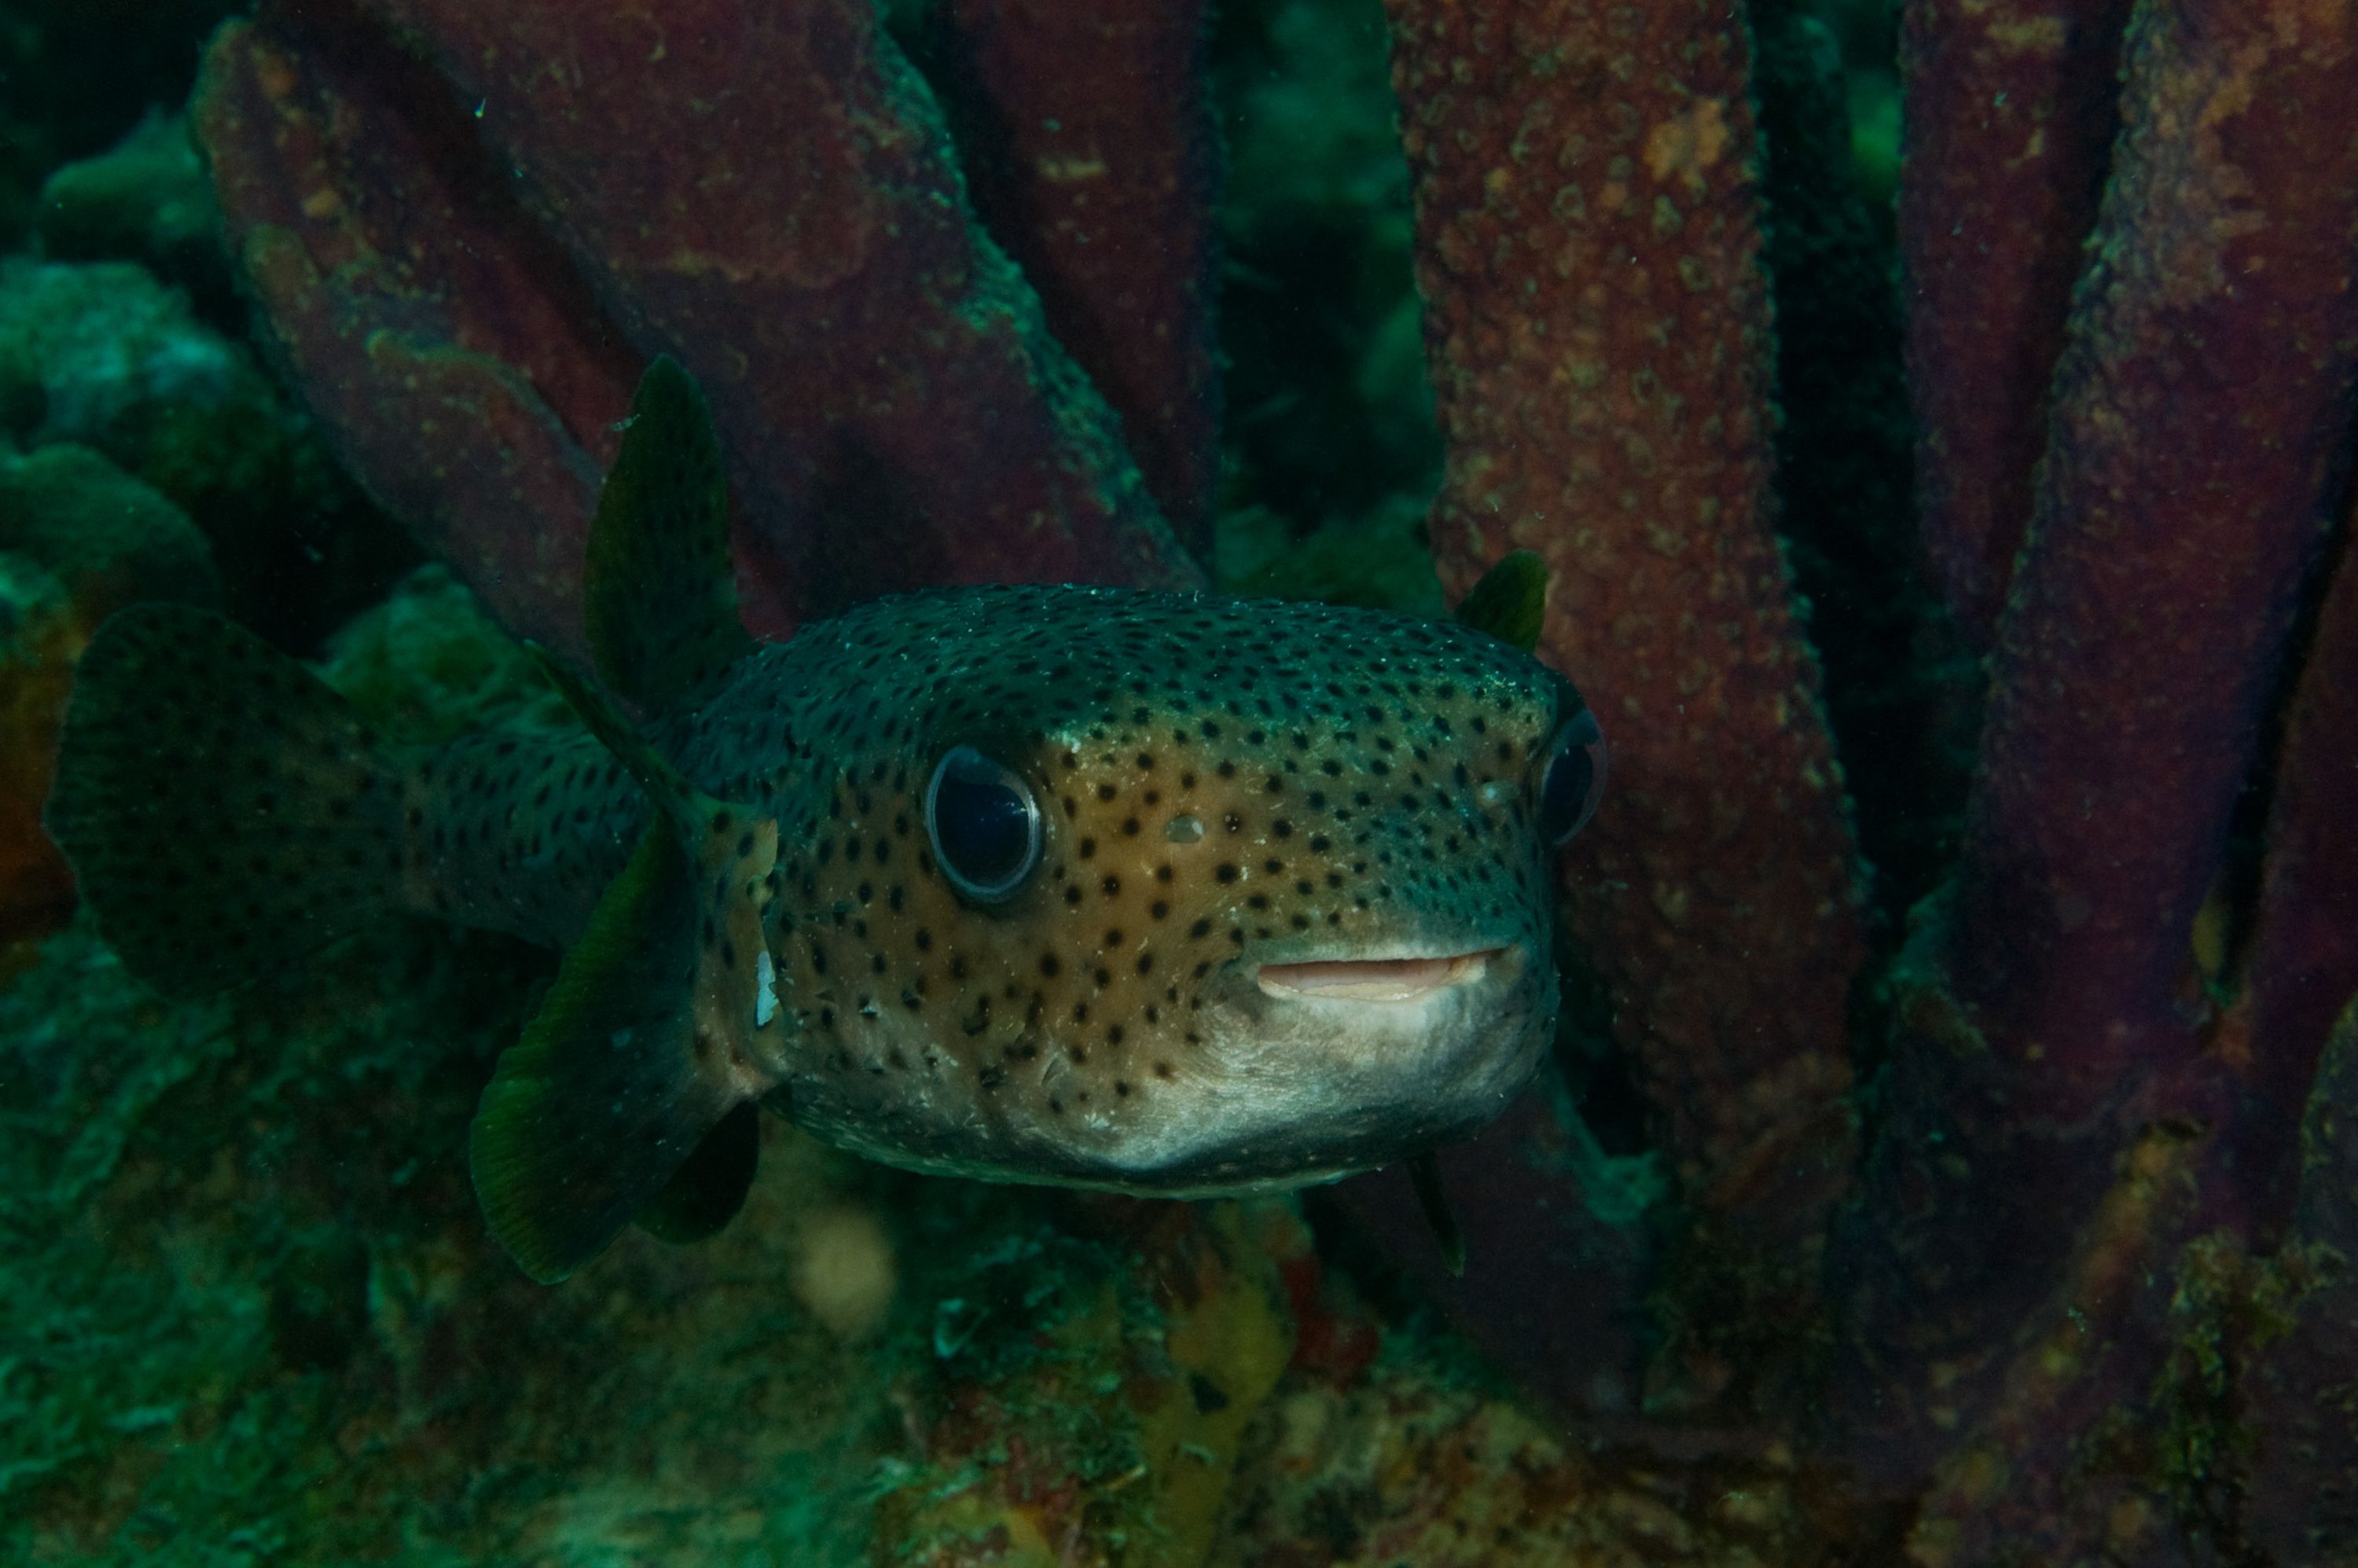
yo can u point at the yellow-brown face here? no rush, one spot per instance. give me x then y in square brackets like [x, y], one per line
[1166, 894]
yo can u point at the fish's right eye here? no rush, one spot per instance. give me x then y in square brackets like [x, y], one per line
[985, 825]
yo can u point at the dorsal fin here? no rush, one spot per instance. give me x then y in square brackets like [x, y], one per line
[1510, 600]
[626, 1096]
[660, 598]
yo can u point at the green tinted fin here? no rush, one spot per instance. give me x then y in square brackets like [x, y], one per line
[602, 1100]
[623, 1098]
[704, 1194]
[1424, 1174]
[1509, 602]
[224, 810]
[660, 601]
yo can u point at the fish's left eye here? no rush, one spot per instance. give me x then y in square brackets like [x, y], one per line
[1574, 780]
[984, 823]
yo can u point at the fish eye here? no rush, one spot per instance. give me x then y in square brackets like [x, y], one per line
[1574, 780]
[984, 823]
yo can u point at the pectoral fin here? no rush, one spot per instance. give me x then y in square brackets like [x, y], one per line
[604, 1098]
[630, 1094]
[704, 1194]
[1424, 1174]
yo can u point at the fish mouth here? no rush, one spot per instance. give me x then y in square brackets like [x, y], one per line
[1387, 980]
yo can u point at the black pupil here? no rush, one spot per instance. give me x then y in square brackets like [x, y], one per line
[1563, 794]
[984, 825]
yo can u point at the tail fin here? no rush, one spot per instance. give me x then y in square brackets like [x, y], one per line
[222, 807]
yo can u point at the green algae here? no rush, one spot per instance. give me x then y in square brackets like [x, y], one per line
[147, 199]
[1380, 560]
[1328, 424]
[255, 1308]
[428, 664]
[104, 355]
[256, 1321]
[2228, 1307]
[111, 537]
[75, 74]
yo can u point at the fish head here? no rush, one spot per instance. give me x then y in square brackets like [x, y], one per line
[1172, 894]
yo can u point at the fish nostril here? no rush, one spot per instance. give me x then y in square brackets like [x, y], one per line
[1185, 830]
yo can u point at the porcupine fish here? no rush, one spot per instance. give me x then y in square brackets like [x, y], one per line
[1149, 892]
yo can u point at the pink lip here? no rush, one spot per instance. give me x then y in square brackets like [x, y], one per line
[1376, 979]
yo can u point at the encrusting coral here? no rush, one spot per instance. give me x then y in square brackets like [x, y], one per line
[2059, 1034]
[1086, 140]
[885, 382]
[2010, 113]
